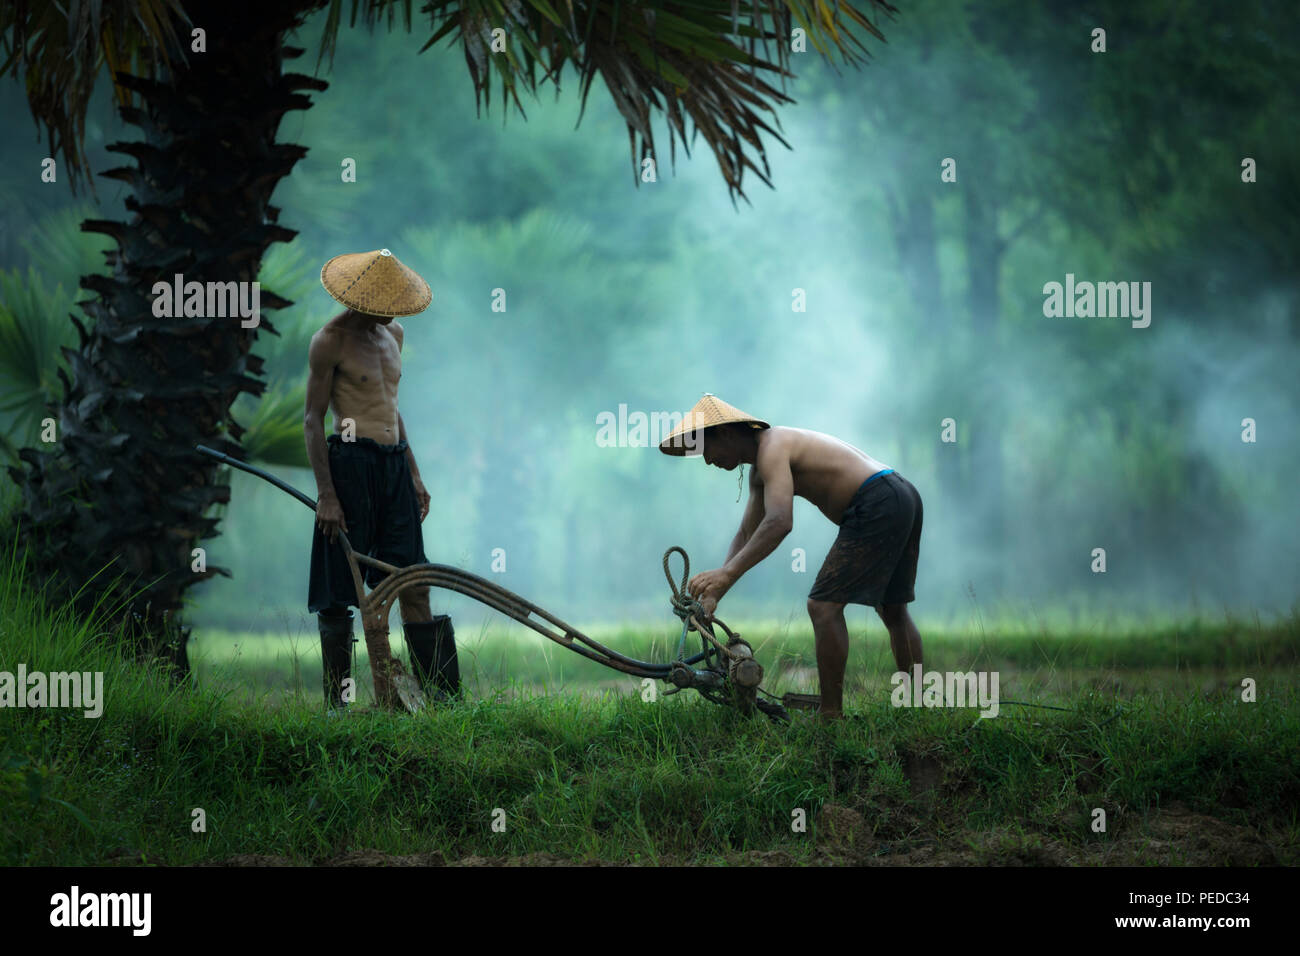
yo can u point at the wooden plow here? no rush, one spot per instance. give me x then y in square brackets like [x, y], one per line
[724, 672]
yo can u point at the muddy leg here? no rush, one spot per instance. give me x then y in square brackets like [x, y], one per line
[904, 638]
[831, 636]
[414, 602]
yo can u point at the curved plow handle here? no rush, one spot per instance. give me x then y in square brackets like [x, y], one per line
[252, 470]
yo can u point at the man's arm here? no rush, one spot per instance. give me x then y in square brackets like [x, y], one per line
[773, 469]
[752, 516]
[421, 495]
[322, 357]
[777, 483]
[399, 333]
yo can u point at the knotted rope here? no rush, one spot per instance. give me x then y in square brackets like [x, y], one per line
[691, 611]
[684, 606]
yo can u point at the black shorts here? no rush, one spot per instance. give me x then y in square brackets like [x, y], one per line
[373, 482]
[873, 560]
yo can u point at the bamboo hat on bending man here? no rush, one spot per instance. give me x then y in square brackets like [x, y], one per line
[375, 283]
[687, 438]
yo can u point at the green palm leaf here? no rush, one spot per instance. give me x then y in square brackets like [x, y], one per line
[274, 434]
[705, 66]
[34, 329]
[60, 49]
[62, 251]
[285, 269]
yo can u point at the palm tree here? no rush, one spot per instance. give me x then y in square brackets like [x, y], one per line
[34, 330]
[123, 487]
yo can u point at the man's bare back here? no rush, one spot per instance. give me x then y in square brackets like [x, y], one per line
[826, 470]
[787, 462]
[816, 467]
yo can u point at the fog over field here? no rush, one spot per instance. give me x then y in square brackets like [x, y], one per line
[893, 290]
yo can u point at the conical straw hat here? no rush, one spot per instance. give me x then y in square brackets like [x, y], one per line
[375, 283]
[708, 411]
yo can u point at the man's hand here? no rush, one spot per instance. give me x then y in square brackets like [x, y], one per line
[329, 516]
[421, 496]
[708, 587]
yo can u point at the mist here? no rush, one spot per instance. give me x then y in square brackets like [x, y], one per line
[649, 294]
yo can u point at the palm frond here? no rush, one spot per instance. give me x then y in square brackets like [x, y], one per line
[274, 435]
[705, 64]
[9, 452]
[59, 50]
[34, 329]
[64, 252]
[699, 62]
[285, 270]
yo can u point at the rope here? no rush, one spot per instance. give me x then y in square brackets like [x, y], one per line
[684, 606]
[1069, 710]
[1022, 703]
[691, 613]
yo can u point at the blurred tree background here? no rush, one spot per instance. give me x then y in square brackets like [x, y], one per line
[924, 302]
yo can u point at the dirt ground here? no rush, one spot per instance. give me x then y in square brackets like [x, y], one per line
[1174, 836]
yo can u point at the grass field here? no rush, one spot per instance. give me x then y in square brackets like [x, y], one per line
[551, 760]
[511, 659]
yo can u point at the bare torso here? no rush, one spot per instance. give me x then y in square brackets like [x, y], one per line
[366, 376]
[826, 471]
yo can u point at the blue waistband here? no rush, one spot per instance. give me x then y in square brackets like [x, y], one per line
[883, 471]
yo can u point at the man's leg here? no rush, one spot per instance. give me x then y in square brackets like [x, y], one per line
[430, 640]
[331, 589]
[414, 603]
[831, 638]
[904, 638]
[336, 641]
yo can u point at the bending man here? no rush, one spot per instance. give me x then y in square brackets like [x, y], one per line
[874, 557]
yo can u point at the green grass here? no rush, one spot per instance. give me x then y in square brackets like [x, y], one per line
[510, 658]
[590, 773]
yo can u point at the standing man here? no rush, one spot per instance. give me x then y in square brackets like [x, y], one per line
[367, 482]
[873, 560]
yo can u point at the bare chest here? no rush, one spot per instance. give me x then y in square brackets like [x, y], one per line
[369, 367]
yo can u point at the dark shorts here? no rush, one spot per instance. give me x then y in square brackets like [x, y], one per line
[873, 560]
[373, 482]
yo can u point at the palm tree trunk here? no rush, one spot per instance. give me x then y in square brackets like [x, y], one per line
[122, 490]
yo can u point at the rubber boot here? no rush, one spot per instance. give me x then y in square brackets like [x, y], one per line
[336, 642]
[432, 645]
